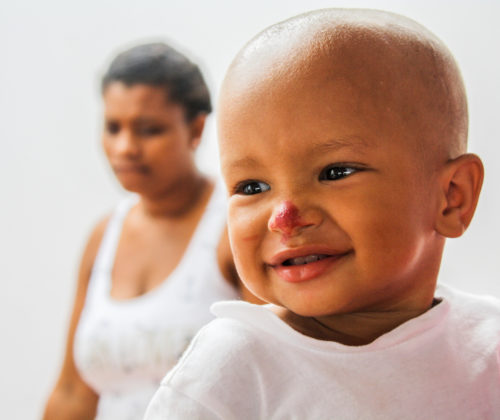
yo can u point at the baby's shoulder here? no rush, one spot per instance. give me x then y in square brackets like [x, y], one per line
[223, 336]
[223, 345]
[475, 318]
[476, 307]
[225, 359]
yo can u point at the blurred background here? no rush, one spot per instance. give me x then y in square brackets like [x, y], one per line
[54, 180]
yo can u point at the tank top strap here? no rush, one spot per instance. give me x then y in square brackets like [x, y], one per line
[106, 255]
[213, 221]
[99, 282]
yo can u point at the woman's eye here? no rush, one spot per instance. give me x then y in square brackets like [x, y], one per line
[251, 187]
[112, 127]
[151, 131]
[333, 173]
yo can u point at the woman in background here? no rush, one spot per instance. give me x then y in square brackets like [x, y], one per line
[151, 270]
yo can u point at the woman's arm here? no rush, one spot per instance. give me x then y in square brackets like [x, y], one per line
[71, 397]
[228, 269]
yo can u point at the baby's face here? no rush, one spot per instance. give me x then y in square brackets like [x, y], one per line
[329, 211]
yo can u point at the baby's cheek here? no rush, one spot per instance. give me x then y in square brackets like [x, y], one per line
[243, 225]
[246, 235]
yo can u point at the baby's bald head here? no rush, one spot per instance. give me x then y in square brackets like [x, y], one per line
[343, 132]
[401, 76]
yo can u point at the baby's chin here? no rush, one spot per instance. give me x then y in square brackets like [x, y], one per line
[307, 309]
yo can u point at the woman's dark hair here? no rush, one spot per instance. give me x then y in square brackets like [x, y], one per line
[160, 65]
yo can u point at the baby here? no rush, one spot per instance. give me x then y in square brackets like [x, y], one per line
[343, 146]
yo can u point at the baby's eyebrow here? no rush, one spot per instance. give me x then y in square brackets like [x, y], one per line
[245, 162]
[351, 142]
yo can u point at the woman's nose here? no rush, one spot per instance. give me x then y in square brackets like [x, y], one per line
[126, 144]
[287, 220]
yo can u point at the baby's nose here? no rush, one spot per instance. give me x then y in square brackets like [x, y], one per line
[286, 219]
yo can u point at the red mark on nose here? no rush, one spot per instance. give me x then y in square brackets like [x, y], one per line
[285, 219]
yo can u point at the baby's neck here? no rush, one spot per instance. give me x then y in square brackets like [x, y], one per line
[353, 329]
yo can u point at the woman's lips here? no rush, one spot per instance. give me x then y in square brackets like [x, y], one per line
[297, 267]
[124, 169]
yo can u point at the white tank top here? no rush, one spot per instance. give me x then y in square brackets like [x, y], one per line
[123, 348]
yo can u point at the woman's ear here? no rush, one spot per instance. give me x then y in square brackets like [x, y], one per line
[196, 126]
[461, 181]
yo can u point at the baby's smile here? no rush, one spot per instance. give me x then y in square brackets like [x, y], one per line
[303, 264]
[305, 260]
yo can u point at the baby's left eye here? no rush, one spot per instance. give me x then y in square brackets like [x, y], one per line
[335, 172]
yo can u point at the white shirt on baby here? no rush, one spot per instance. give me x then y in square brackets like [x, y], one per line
[248, 364]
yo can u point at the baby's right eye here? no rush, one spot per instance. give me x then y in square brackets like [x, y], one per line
[251, 187]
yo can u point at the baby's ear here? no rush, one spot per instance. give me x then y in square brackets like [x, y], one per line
[461, 181]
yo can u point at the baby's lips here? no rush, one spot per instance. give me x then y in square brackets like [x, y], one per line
[280, 257]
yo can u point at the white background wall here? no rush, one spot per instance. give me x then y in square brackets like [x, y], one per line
[54, 182]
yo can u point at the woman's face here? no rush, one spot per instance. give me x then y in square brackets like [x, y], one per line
[147, 140]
